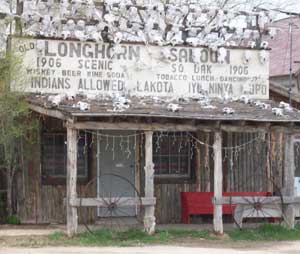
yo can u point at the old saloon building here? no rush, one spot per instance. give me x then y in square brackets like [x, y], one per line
[126, 129]
[163, 146]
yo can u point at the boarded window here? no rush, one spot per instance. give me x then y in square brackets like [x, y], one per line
[54, 157]
[172, 154]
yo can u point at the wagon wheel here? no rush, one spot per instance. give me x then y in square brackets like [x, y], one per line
[257, 209]
[116, 212]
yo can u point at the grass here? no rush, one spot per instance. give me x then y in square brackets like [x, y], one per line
[266, 232]
[13, 220]
[131, 237]
[56, 236]
[136, 237]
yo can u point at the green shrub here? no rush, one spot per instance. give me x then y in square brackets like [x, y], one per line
[56, 236]
[13, 220]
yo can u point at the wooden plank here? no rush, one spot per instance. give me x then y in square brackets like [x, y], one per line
[207, 183]
[121, 202]
[137, 163]
[138, 167]
[268, 163]
[72, 220]
[132, 126]
[225, 162]
[49, 112]
[251, 129]
[289, 167]
[243, 180]
[198, 163]
[91, 125]
[218, 185]
[248, 154]
[149, 217]
[230, 163]
[288, 180]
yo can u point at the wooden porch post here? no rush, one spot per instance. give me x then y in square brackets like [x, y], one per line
[149, 217]
[72, 221]
[218, 183]
[288, 184]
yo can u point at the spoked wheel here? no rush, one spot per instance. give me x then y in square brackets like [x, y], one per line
[255, 207]
[115, 211]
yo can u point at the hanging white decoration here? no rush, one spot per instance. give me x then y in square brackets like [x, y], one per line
[278, 111]
[285, 106]
[173, 107]
[4, 7]
[228, 111]
[175, 23]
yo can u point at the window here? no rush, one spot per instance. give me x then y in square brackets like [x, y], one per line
[54, 158]
[172, 154]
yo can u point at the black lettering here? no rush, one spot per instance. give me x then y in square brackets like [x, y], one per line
[86, 50]
[62, 49]
[75, 49]
[47, 53]
[173, 55]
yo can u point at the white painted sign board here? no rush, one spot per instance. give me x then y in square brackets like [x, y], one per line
[74, 67]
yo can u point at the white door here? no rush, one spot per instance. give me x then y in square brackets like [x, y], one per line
[116, 168]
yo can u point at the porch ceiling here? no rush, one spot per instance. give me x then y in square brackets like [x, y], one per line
[153, 107]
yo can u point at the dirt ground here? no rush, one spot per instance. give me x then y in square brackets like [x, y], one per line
[282, 248]
[35, 240]
[22, 245]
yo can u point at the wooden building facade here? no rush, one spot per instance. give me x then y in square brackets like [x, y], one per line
[250, 144]
[166, 136]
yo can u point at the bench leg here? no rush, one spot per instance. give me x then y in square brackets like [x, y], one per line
[185, 218]
[238, 216]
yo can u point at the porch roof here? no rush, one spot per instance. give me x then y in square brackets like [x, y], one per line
[258, 111]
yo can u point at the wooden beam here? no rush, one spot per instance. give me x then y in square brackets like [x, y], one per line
[72, 220]
[137, 178]
[149, 216]
[245, 128]
[198, 163]
[218, 183]
[288, 180]
[131, 126]
[50, 112]
[120, 202]
[94, 125]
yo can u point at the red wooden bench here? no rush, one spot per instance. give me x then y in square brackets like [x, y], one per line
[200, 203]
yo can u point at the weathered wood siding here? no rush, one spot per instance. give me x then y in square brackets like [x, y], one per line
[256, 166]
[45, 203]
[168, 207]
[245, 162]
[38, 203]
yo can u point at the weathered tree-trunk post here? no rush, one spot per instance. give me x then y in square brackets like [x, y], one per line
[149, 217]
[72, 220]
[288, 184]
[218, 184]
